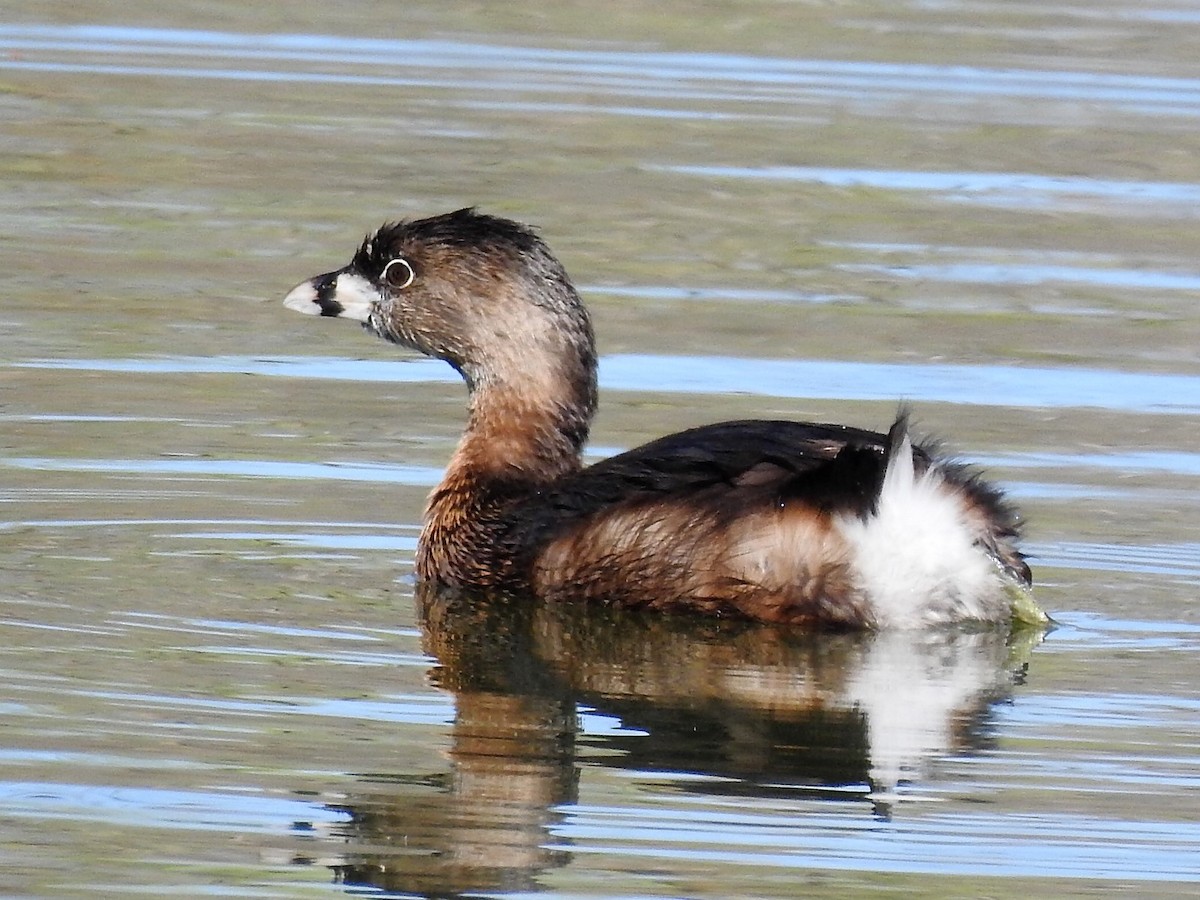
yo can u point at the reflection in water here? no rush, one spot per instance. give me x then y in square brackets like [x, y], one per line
[742, 709]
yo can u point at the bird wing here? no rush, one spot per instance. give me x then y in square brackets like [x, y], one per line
[827, 465]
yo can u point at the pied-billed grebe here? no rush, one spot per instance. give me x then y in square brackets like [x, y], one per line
[822, 525]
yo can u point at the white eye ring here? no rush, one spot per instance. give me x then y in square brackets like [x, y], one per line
[409, 278]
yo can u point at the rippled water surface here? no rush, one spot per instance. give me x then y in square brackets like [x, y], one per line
[219, 678]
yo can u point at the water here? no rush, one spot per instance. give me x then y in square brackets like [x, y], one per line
[219, 677]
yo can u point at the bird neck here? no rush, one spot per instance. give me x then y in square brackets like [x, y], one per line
[521, 436]
[526, 432]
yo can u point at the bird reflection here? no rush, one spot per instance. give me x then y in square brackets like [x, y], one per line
[756, 710]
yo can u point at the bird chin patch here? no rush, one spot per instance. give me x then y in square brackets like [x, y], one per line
[377, 323]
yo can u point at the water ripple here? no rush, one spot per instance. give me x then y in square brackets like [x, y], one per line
[1129, 462]
[158, 807]
[697, 78]
[978, 385]
[1002, 844]
[1027, 274]
[1016, 189]
[1179, 560]
[422, 476]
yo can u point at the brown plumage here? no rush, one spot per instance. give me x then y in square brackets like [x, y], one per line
[779, 521]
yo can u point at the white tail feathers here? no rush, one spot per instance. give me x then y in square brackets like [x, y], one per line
[916, 557]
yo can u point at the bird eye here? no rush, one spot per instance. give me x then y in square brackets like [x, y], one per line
[398, 273]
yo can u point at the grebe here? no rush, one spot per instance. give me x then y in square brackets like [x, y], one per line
[787, 522]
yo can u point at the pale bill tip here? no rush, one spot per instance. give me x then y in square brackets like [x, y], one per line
[303, 299]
